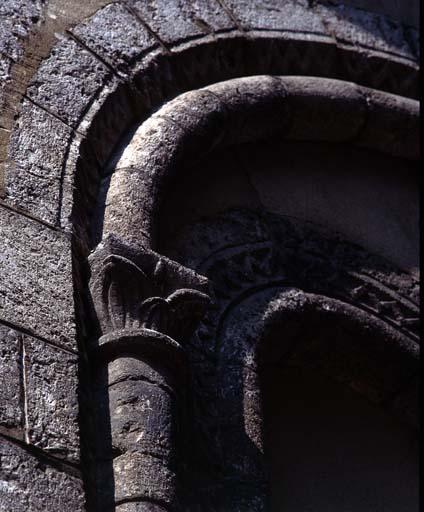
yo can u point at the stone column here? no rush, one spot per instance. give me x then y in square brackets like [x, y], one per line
[147, 306]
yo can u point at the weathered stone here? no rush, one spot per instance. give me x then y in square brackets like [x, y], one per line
[29, 483]
[143, 506]
[16, 20]
[359, 27]
[36, 152]
[143, 417]
[67, 81]
[271, 15]
[330, 101]
[390, 122]
[257, 108]
[52, 399]
[35, 281]
[11, 410]
[5, 69]
[125, 369]
[116, 35]
[195, 18]
[345, 24]
[137, 294]
[406, 12]
[141, 477]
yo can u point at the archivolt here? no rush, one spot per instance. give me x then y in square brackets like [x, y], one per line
[247, 109]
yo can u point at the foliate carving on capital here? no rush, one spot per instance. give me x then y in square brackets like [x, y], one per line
[134, 288]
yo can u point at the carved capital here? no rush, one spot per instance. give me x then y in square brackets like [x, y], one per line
[134, 288]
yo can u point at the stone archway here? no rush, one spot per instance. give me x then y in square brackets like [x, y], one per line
[242, 110]
[277, 326]
[138, 293]
[251, 307]
[379, 358]
[68, 114]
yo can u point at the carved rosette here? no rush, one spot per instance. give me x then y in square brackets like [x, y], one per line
[147, 307]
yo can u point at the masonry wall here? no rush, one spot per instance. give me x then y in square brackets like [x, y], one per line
[60, 65]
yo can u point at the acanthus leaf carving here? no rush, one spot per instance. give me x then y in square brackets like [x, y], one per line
[135, 288]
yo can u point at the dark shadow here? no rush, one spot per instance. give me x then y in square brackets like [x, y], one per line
[94, 417]
[329, 449]
[332, 440]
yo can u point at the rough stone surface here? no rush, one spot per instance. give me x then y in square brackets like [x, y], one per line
[36, 279]
[52, 399]
[67, 81]
[116, 35]
[144, 506]
[271, 15]
[264, 268]
[386, 112]
[16, 20]
[344, 24]
[368, 30]
[11, 410]
[329, 101]
[143, 477]
[407, 11]
[31, 484]
[196, 18]
[5, 69]
[368, 356]
[39, 394]
[136, 424]
[36, 152]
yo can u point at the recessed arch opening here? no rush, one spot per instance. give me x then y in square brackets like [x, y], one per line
[331, 437]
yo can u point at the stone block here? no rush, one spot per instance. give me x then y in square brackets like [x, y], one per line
[271, 15]
[16, 20]
[36, 153]
[36, 289]
[11, 410]
[67, 81]
[361, 28]
[29, 484]
[52, 399]
[116, 35]
[178, 20]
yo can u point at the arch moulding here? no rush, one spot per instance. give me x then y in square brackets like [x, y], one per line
[148, 306]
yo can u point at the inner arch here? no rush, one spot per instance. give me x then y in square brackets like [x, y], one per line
[330, 449]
